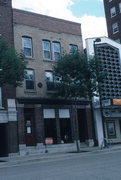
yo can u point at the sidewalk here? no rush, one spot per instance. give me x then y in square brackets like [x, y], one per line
[16, 160]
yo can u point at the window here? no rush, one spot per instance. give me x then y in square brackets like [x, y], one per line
[50, 80]
[56, 50]
[46, 49]
[113, 11]
[115, 28]
[111, 131]
[27, 46]
[73, 48]
[29, 79]
[120, 7]
[110, 0]
[49, 76]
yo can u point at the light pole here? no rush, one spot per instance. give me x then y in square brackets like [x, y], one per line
[100, 97]
[0, 93]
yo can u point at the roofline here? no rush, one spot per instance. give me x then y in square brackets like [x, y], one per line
[50, 17]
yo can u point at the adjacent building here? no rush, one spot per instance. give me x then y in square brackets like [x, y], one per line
[113, 16]
[108, 120]
[8, 114]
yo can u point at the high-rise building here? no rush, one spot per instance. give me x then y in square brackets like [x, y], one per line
[113, 18]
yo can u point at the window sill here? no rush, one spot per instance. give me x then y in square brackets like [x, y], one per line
[50, 91]
[30, 91]
[29, 58]
[115, 32]
[48, 60]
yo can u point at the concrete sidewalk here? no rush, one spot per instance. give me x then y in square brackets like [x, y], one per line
[16, 160]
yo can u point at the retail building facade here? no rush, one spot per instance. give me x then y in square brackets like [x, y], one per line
[40, 117]
[108, 115]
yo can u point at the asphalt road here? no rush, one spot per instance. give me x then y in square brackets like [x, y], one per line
[83, 166]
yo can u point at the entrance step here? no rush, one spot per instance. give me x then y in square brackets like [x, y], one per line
[52, 148]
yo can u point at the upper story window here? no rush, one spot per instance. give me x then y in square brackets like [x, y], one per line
[49, 80]
[115, 28]
[49, 76]
[120, 7]
[113, 11]
[46, 49]
[56, 50]
[73, 48]
[27, 46]
[29, 79]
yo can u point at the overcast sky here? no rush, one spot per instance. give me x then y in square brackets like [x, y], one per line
[90, 13]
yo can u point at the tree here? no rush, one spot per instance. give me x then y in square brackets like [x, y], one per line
[12, 65]
[78, 77]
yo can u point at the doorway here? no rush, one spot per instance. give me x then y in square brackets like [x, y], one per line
[3, 140]
[29, 127]
[82, 125]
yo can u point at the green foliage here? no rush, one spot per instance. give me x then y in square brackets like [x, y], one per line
[12, 65]
[78, 76]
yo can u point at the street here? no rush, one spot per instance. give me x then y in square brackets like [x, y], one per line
[81, 166]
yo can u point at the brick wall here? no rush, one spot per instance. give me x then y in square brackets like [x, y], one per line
[6, 33]
[45, 22]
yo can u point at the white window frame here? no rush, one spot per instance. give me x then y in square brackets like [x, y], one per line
[30, 79]
[46, 50]
[113, 11]
[56, 51]
[115, 28]
[25, 46]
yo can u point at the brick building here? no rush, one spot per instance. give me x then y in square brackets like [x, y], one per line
[8, 116]
[113, 16]
[43, 39]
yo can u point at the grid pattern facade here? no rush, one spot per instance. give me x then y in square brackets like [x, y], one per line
[109, 58]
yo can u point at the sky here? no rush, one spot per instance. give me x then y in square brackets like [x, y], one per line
[90, 13]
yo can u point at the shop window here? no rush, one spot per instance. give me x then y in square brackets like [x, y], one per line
[50, 129]
[111, 131]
